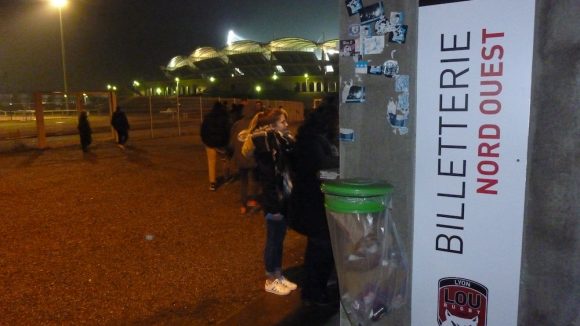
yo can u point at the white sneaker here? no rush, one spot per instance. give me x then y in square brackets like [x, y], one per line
[276, 287]
[291, 286]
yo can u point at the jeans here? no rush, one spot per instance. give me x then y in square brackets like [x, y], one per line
[275, 233]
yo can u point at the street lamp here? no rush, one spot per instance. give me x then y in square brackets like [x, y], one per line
[61, 4]
[306, 77]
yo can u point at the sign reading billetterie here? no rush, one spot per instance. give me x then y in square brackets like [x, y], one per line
[473, 109]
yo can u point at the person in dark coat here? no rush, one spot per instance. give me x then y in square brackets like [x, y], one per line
[246, 165]
[215, 135]
[316, 149]
[121, 125]
[85, 131]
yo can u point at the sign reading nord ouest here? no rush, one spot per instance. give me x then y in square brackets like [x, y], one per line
[473, 107]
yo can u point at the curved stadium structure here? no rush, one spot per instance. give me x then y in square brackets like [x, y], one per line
[289, 68]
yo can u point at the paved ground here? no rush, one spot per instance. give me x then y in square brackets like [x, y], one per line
[133, 238]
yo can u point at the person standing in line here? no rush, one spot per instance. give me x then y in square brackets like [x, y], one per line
[215, 135]
[271, 144]
[121, 125]
[85, 132]
[316, 149]
[246, 165]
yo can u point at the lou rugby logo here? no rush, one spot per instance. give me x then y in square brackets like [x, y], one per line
[461, 302]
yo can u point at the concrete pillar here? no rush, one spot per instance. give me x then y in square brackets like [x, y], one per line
[550, 286]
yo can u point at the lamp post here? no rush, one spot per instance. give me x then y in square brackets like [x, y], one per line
[177, 104]
[307, 88]
[61, 4]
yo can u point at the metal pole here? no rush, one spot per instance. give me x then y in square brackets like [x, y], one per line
[178, 112]
[63, 55]
[151, 116]
[200, 109]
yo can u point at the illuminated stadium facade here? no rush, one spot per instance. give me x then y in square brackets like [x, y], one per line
[286, 68]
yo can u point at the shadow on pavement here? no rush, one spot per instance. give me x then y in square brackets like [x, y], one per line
[288, 310]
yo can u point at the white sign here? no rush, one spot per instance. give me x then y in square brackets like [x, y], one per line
[473, 107]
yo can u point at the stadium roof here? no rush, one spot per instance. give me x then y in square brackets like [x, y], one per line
[290, 56]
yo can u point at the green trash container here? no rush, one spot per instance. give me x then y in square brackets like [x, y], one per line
[370, 261]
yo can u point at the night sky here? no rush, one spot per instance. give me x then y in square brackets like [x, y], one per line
[117, 41]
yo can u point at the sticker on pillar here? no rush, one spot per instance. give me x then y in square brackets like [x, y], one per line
[398, 116]
[366, 30]
[374, 45]
[399, 34]
[391, 67]
[402, 83]
[354, 30]
[361, 67]
[353, 93]
[375, 70]
[396, 18]
[353, 6]
[403, 101]
[371, 13]
[381, 26]
[346, 135]
[461, 302]
[348, 48]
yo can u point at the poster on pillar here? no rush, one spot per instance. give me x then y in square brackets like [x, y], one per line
[474, 71]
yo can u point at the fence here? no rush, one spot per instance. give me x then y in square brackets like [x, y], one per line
[23, 126]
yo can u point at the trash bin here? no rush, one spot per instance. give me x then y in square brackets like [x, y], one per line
[370, 261]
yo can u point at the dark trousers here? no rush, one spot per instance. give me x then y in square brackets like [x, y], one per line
[123, 136]
[275, 234]
[318, 266]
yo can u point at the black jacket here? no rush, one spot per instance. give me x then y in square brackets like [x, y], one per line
[119, 121]
[313, 152]
[272, 152]
[215, 129]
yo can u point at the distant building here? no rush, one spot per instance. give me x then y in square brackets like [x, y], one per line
[286, 68]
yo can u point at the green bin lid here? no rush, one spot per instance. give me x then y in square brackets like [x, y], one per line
[355, 195]
[356, 188]
[354, 205]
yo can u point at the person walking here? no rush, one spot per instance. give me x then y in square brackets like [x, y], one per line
[215, 134]
[120, 123]
[271, 144]
[316, 149]
[85, 132]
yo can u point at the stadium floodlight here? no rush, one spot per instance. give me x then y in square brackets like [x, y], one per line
[59, 3]
[233, 37]
[258, 88]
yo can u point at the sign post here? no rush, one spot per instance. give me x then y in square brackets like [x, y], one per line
[473, 107]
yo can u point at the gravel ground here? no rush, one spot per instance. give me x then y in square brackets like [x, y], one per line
[125, 237]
